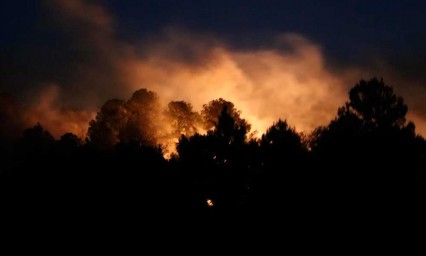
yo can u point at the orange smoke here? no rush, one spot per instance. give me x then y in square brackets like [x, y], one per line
[291, 81]
[54, 116]
[265, 84]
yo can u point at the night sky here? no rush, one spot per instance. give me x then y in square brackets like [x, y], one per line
[343, 28]
[74, 55]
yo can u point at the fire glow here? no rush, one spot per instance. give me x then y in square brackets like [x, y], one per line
[291, 81]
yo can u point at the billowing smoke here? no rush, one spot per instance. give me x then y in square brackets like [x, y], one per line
[56, 116]
[265, 84]
[44, 108]
[291, 81]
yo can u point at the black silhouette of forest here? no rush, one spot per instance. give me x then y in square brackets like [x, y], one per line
[368, 158]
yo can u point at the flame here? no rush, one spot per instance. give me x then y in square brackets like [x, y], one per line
[209, 203]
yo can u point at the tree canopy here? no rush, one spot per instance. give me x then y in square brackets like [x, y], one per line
[212, 110]
[184, 120]
[367, 157]
[373, 114]
[375, 104]
[134, 120]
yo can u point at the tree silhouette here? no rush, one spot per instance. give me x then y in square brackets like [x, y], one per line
[135, 120]
[369, 149]
[368, 157]
[212, 110]
[282, 142]
[375, 104]
[67, 147]
[143, 111]
[230, 128]
[184, 120]
[220, 159]
[372, 113]
[36, 140]
[283, 156]
[33, 152]
[110, 120]
[69, 141]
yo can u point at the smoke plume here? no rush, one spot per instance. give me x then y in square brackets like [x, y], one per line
[291, 81]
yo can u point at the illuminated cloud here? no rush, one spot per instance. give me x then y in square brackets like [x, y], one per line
[56, 117]
[291, 81]
[265, 84]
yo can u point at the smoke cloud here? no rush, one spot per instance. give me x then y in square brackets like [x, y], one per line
[58, 118]
[265, 84]
[290, 81]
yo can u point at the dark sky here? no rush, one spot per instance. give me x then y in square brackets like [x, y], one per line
[47, 41]
[343, 28]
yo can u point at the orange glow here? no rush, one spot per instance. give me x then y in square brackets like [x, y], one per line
[57, 119]
[291, 81]
[265, 85]
[209, 203]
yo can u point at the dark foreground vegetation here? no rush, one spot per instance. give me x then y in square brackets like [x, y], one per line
[367, 161]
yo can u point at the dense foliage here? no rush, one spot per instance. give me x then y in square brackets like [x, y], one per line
[368, 157]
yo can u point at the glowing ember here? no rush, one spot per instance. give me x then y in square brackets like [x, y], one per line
[210, 203]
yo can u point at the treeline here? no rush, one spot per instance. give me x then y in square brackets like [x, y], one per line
[368, 157]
